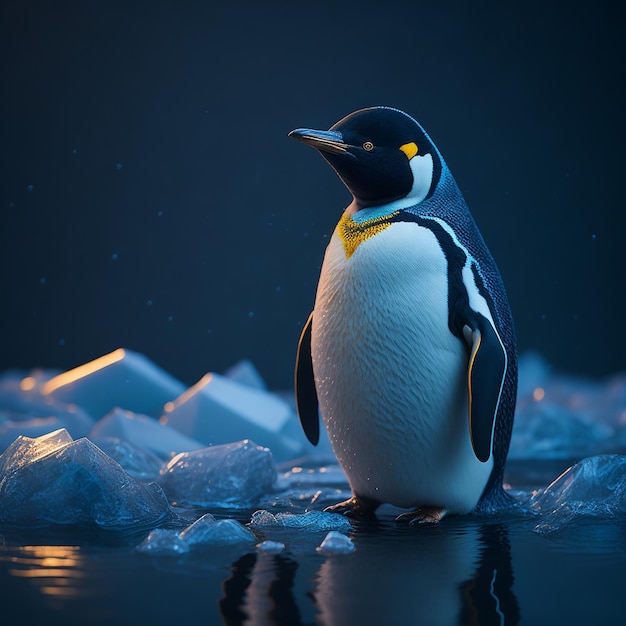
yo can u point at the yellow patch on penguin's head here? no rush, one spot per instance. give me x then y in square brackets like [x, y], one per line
[410, 149]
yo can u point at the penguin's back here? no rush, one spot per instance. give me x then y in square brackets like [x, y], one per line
[448, 204]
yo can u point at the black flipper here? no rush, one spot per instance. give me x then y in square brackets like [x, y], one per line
[306, 395]
[485, 377]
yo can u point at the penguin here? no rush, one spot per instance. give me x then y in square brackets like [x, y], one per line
[409, 355]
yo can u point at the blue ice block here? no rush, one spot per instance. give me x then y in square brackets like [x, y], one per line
[230, 475]
[56, 481]
[218, 410]
[144, 431]
[119, 379]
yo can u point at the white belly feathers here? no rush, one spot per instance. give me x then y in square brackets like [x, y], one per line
[391, 378]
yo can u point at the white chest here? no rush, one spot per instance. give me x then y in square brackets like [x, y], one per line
[390, 376]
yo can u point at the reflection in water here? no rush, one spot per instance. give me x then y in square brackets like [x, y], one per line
[57, 571]
[452, 574]
[260, 591]
[232, 604]
[488, 597]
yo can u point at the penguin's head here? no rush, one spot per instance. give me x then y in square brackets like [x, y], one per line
[380, 153]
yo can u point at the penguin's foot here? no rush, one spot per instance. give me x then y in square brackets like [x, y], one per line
[423, 515]
[356, 506]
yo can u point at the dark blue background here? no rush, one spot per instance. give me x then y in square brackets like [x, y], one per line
[150, 197]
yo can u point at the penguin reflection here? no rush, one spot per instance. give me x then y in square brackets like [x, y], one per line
[488, 598]
[260, 591]
[446, 575]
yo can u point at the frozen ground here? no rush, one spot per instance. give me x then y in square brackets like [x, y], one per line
[118, 444]
[127, 499]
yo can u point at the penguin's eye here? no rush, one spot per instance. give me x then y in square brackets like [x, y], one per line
[368, 146]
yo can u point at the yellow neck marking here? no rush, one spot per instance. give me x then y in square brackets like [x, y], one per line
[353, 233]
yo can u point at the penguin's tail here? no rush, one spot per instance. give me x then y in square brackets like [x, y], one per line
[495, 500]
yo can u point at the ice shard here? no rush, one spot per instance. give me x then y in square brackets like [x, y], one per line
[218, 410]
[207, 531]
[246, 373]
[56, 481]
[163, 542]
[270, 547]
[229, 475]
[25, 450]
[119, 379]
[592, 488]
[144, 431]
[336, 543]
[137, 461]
[312, 520]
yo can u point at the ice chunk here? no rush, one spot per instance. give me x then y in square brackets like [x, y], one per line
[208, 531]
[121, 378]
[207, 519]
[218, 410]
[162, 542]
[52, 481]
[204, 532]
[144, 431]
[264, 518]
[336, 543]
[313, 520]
[137, 461]
[230, 475]
[25, 450]
[245, 373]
[594, 487]
[270, 547]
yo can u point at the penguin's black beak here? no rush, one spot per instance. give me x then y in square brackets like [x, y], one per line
[324, 140]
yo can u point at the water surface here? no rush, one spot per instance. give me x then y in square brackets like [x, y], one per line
[467, 570]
